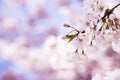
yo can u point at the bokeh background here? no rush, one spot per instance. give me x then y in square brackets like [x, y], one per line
[25, 25]
[31, 45]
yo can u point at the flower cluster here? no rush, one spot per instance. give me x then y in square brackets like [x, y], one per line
[98, 22]
[113, 75]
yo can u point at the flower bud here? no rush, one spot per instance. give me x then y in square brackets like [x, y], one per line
[63, 37]
[66, 25]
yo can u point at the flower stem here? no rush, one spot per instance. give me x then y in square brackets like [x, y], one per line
[115, 7]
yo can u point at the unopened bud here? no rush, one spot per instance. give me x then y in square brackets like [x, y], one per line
[63, 37]
[66, 25]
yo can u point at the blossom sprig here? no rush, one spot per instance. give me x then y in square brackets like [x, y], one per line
[108, 22]
[108, 12]
[98, 23]
[70, 36]
[76, 35]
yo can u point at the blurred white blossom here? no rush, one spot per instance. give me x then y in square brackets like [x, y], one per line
[111, 75]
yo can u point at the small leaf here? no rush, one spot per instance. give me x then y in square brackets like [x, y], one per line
[70, 37]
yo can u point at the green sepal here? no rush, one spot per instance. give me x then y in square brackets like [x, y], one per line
[70, 37]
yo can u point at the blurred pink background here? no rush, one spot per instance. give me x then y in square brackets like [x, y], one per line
[31, 47]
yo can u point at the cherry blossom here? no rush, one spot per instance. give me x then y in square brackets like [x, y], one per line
[112, 75]
[97, 20]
